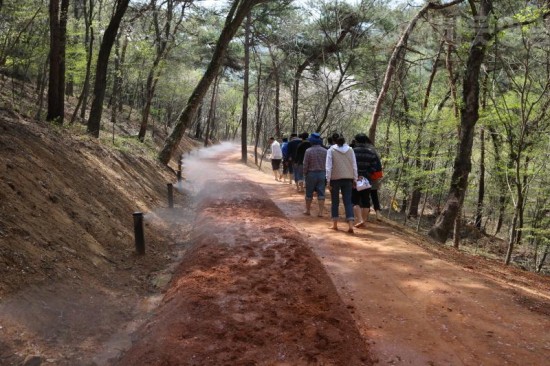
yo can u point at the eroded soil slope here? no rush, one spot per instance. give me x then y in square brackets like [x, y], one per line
[69, 278]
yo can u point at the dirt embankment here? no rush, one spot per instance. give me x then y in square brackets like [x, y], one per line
[69, 278]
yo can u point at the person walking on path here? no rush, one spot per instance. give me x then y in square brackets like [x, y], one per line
[368, 161]
[287, 171]
[297, 167]
[292, 147]
[374, 177]
[341, 171]
[300, 152]
[276, 158]
[315, 159]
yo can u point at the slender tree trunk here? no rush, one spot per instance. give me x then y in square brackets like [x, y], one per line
[501, 180]
[543, 259]
[449, 64]
[481, 188]
[83, 98]
[117, 84]
[94, 120]
[198, 131]
[163, 48]
[417, 189]
[246, 90]
[89, 40]
[56, 86]
[296, 96]
[212, 111]
[277, 78]
[41, 88]
[469, 117]
[258, 114]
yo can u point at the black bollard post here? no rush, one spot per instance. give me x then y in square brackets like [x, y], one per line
[179, 175]
[138, 233]
[170, 187]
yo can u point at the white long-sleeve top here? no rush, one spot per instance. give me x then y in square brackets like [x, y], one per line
[276, 152]
[341, 163]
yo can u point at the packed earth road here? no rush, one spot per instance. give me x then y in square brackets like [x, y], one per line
[409, 304]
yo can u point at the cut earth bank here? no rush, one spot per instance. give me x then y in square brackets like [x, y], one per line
[249, 291]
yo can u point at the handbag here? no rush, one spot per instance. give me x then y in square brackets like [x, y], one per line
[362, 184]
[376, 175]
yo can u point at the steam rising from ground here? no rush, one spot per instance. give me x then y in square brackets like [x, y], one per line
[200, 166]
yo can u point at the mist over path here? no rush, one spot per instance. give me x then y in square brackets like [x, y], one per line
[414, 306]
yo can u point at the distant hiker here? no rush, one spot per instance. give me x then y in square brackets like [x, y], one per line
[315, 159]
[341, 169]
[286, 168]
[297, 168]
[299, 160]
[276, 158]
[375, 175]
[292, 146]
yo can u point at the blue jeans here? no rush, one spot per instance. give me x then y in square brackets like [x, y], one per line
[344, 185]
[315, 182]
[298, 172]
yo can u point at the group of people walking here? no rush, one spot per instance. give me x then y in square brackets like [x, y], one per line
[338, 166]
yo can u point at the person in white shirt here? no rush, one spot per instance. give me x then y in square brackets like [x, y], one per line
[341, 175]
[276, 158]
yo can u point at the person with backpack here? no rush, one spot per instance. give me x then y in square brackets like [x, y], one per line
[287, 169]
[368, 166]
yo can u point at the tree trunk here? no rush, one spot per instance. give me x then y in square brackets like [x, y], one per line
[198, 131]
[481, 191]
[212, 111]
[58, 36]
[468, 119]
[417, 189]
[94, 120]
[41, 87]
[500, 175]
[89, 44]
[296, 95]
[259, 112]
[543, 259]
[117, 84]
[277, 77]
[246, 90]
[162, 48]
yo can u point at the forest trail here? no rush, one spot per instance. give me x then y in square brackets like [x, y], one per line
[414, 307]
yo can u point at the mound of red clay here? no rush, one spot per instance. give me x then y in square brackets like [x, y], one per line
[248, 292]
